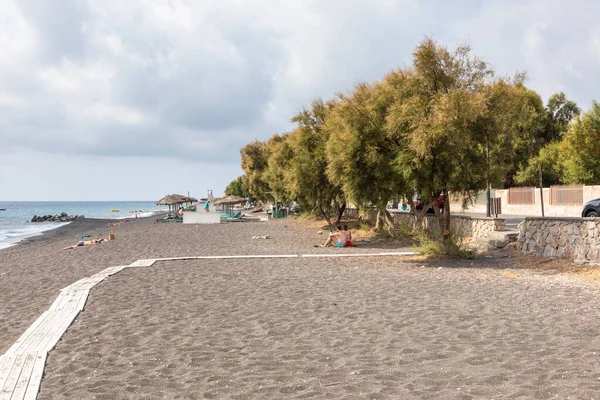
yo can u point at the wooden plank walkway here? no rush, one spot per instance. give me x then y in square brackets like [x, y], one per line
[22, 366]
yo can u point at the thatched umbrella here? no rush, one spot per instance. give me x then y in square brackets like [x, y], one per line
[173, 200]
[228, 202]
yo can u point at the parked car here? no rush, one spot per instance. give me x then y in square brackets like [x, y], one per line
[419, 203]
[591, 208]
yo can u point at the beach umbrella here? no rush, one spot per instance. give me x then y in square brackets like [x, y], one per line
[230, 200]
[172, 200]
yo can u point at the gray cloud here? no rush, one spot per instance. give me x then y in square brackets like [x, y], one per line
[59, 27]
[189, 81]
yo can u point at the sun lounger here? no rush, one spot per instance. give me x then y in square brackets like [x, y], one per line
[235, 217]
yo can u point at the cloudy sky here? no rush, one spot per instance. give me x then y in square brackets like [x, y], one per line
[132, 100]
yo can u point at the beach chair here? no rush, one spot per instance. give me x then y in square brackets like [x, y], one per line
[235, 217]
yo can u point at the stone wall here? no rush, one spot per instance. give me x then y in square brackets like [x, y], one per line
[463, 225]
[574, 238]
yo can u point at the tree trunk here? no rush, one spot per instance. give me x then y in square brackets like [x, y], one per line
[446, 211]
[418, 218]
[340, 213]
[389, 220]
[443, 216]
[384, 219]
[326, 216]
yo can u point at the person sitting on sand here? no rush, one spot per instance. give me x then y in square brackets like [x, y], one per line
[85, 243]
[179, 213]
[348, 236]
[337, 238]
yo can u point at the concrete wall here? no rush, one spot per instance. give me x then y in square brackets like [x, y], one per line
[201, 217]
[574, 238]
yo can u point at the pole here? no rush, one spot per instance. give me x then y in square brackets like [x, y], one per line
[487, 183]
[541, 189]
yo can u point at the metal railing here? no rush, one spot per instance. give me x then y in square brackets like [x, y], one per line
[521, 195]
[566, 195]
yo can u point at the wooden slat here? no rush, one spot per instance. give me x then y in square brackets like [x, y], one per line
[21, 366]
[23, 337]
[23, 380]
[142, 263]
[52, 338]
[36, 376]
[83, 299]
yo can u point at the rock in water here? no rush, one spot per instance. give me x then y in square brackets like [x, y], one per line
[62, 217]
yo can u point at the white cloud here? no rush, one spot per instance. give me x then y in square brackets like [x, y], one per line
[193, 81]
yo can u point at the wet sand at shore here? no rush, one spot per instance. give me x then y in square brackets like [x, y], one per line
[364, 328]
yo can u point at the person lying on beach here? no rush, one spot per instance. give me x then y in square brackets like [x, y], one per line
[337, 238]
[85, 243]
[115, 223]
[348, 236]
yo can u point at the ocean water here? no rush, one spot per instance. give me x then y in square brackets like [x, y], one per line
[15, 220]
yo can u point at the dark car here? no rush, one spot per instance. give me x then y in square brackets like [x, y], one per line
[591, 208]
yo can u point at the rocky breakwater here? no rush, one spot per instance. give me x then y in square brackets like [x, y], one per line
[62, 217]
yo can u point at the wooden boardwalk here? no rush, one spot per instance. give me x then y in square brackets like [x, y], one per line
[22, 366]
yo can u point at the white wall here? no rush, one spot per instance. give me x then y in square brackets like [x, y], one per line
[589, 193]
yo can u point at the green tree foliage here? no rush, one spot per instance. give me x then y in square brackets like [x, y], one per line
[359, 153]
[560, 112]
[435, 114]
[255, 157]
[546, 138]
[551, 160]
[514, 123]
[280, 154]
[582, 148]
[238, 187]
[443, 124]
[310, 185]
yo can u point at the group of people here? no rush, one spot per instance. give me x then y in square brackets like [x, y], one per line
[339, 238]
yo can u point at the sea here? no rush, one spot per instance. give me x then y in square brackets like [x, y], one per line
[15, 216]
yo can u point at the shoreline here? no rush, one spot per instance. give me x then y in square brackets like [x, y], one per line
[50, 232]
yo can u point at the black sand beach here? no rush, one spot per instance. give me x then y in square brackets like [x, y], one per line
[364, 328]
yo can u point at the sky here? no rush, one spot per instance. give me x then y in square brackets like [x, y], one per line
[136, 99]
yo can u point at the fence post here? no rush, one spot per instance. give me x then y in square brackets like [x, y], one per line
[541, 189]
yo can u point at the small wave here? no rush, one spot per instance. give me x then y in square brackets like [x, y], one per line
[13, 236]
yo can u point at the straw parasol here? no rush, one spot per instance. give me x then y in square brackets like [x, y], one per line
[174, 200]
[228, 202]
